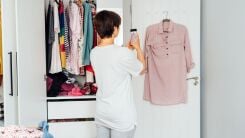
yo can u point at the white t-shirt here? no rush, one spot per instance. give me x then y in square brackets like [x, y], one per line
[114, 66]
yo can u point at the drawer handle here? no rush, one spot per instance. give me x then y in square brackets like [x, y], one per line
[195, 80]
[11, 74]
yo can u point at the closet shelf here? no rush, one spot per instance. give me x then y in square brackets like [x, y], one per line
[72, 97]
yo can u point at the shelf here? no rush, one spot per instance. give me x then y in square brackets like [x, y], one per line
[71, 97]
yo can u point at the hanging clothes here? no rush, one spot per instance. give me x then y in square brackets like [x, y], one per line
[56, 60]
[88, 33]
[67, 40]
[81, 39]
[75, 27]
[89, 70]
[1, 54]
[62, 34]
[169, 59]
[50, 35]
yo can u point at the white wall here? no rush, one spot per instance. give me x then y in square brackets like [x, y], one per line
[223, 69]
[118, 7]
[110, 3]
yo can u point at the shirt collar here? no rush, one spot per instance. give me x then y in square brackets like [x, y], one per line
[170, 28]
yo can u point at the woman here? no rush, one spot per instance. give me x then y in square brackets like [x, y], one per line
[114, 66]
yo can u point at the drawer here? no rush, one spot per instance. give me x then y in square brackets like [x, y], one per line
[71, 109]
[73, 129]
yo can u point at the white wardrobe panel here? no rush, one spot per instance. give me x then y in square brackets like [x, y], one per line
[9, 51]
[31, 61]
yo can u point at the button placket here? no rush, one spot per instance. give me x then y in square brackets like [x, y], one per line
[166, 37]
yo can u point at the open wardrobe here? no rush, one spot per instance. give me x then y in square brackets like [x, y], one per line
[47, 72]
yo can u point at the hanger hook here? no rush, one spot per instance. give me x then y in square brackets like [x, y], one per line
[165, 14]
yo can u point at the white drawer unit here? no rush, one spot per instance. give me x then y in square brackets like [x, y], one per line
[73, 129]
[71, 117]
[71, 109]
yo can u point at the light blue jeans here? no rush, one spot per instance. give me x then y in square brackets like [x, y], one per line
[104, 132]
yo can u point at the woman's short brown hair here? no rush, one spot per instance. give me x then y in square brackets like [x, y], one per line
[105, 21]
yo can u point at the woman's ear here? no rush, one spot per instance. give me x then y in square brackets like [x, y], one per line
[116, 31]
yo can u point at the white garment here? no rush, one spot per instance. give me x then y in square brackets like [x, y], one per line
[114, 67]
[55, 59]
[75, 27]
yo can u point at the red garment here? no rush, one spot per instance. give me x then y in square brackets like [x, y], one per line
[63, 93]
[67, 87]
[49, 83]
[76, 91]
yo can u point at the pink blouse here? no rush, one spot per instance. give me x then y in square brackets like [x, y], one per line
[169, 59]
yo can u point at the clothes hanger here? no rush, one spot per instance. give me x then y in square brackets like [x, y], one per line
[56, 1]
[166, 17]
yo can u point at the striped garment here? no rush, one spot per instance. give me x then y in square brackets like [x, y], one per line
[67, 40]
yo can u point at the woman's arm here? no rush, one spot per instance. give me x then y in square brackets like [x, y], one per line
[140, 55]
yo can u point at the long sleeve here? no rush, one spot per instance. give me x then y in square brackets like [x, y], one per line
[88, 34]
[188, 54]
[50, 36]
[55, 59]
[75, 28]
[62, 34]
[146, 81]
[146, 48]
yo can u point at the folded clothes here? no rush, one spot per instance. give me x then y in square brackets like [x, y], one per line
[49, 83]
[76, 92]
[90, 88]
[58, 80]
[94, 89]
[63, 93]
[66, 87]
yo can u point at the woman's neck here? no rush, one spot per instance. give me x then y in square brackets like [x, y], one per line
[106, 41]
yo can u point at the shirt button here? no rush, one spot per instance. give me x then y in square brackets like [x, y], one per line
[166, 42]
[166, 37]
[166, 48]
[167, 54]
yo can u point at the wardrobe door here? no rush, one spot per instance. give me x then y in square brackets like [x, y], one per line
[30, 20]
[176, 121]
[9, 61]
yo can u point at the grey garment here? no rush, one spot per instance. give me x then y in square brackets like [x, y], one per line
[104, 132]
[50, 35]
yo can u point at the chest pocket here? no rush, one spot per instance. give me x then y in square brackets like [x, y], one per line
[176, 48]
[176, 45]
[159, 50]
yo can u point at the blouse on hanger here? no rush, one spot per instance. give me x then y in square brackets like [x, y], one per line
[75, 27]
[81, 39]
[67, 40]
[50, 36]
[88, 34]
[62, 34]
[55, 61]
[169, 59]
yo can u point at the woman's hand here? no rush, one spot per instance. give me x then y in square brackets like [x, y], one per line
[135, 44]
